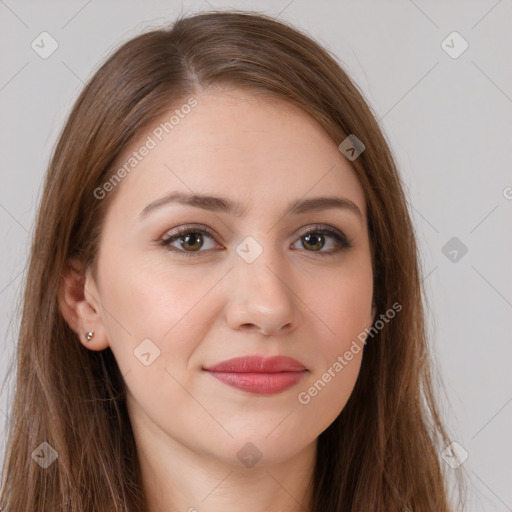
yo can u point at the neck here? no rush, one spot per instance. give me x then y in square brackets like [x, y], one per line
[176, 477]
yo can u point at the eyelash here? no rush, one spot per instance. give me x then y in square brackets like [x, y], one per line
[344, 242]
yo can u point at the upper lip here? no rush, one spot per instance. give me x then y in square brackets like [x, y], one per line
[257, 364]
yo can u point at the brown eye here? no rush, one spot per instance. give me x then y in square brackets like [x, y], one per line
[188, 240]
[193, 241]
[315, 240]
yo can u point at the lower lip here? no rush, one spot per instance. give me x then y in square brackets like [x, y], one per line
[261, 383]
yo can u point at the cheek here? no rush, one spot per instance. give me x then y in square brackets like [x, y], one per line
[344, 305]
[149, 302]
[344, 308]
[347, 315]
[324, 397]
[337, 361]
[162, 315]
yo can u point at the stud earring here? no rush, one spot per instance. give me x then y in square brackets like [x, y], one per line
[89, 336]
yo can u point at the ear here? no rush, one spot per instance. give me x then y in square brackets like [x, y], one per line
[80, 306]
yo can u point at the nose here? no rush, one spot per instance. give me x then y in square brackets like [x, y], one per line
[262, 298]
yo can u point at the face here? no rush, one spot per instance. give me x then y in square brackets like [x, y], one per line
[184, 287]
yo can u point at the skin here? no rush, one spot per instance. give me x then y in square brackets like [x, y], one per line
[212, 306]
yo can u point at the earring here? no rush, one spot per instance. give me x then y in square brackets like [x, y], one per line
[89, 336]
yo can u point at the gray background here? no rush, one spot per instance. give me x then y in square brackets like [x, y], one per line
[447, 119]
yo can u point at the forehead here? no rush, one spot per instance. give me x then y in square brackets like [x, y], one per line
[247, 146]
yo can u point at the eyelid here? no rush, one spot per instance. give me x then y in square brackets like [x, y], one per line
[182, 230]
[310, 228]
[176, 233]
[343, 241]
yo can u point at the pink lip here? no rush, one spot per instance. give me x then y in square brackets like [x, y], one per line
[258, 374]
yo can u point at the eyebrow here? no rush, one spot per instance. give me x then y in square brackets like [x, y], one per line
[224, 205]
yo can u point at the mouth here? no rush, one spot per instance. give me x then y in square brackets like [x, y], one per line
[259, 374]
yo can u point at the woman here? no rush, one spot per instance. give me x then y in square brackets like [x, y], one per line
[223, 306]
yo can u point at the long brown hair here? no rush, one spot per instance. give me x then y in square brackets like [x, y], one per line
[382, 451]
